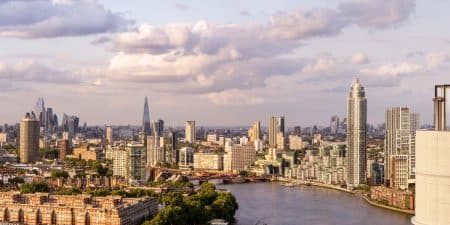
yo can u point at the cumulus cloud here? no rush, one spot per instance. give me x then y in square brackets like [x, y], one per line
[212, 58]
[234, 97]
[376, 14]
[56, 18]
[390, 69]
[359, 58]
[32, 71]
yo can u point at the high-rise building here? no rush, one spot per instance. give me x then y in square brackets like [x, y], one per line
[334, 124]
[119, 157]
[109, 135]
[356, 135]
[153, 151]
[136, 162]
[238, 157]
[186, 157]
[29, 138]
[254, 132]
[400, 135]
[297, 131]
[190, 131]
[40, 112]
[158, 127]
[146, 125]
[276, 126]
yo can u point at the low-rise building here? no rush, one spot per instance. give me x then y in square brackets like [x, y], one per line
[208, 160]
[44, 208]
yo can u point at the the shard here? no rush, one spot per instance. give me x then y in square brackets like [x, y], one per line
[146, 125]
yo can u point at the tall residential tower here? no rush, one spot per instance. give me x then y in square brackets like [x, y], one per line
[356, 135]
[29, 139]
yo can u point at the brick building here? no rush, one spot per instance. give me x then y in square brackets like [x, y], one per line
[44, 208]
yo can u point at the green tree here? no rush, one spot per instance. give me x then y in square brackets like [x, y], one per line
[16, 181]
[59, 174]
[34, 187]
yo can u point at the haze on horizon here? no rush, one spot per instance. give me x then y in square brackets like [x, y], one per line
[220, 62]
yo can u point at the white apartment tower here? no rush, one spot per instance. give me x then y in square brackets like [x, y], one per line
[400, 136]
[190, 131]
[356, 135]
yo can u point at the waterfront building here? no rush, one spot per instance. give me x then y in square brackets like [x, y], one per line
[400, 135]
[433, 167]
[29, 139]
[190, 132]
[44, 208]
[276, 129]
[254, 132]
[238, 157]
[146, 125]
[186, 157]
[136, 162]
[208, 161]
[398, 171]
[356, 135]
[109, 135]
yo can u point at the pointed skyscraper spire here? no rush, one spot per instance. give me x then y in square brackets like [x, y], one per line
[146, 119]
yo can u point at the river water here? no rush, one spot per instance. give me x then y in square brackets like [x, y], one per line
[273, 204]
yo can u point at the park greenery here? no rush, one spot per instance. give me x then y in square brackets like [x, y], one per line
[196, 209]
[35, 186]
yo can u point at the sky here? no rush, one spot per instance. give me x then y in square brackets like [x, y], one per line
[220, 62]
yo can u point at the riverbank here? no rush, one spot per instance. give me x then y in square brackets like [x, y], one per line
[368, 200]
[270, 203]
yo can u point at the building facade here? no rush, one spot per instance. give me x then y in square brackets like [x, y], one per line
[44, 208]
[29, 139]
[208, 161]
[400, 136]
[238, 157]
[190, 131]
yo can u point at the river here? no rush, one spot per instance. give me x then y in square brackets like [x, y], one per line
[273, 204]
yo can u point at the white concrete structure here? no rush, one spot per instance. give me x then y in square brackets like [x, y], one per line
[208, 161]
[432, 178]
[190, 132]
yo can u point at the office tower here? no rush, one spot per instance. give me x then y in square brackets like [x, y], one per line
[400, 135]
[297, 131]
[29, 139]
[186, 157]
[433, 167]
[158, 127]
[109, 135]
[276, 128]
[40, 112]
[172, 146]
[190, 131]
[49, 119]
[254, 132]
[146, 126]
[136, 161]
[356, 135]
[334, 124]
[70, 124]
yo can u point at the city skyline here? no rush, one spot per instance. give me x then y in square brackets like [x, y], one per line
[186, 56]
